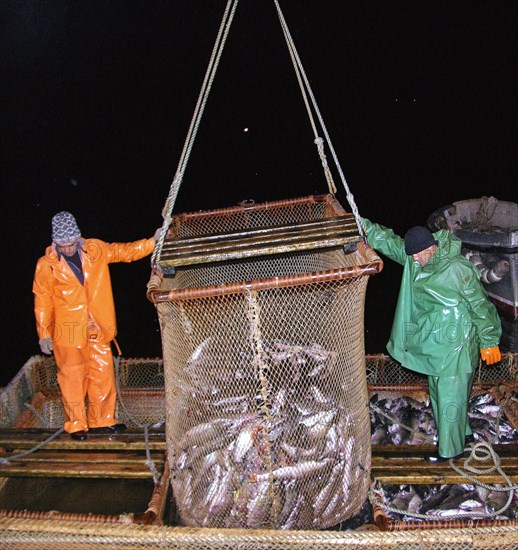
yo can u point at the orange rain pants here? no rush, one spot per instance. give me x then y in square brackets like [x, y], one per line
[86, 372]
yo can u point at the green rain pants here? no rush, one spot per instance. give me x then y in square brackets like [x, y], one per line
[449, 396]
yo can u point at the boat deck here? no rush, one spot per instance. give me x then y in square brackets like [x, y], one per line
[124, 456]
[405, 464]
[101, 456]
[60, 479]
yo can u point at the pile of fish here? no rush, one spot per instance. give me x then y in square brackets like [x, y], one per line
[292, 462]
[207, 371]
[402, 420]
[488, 422]
[448, 501]
[364, 517]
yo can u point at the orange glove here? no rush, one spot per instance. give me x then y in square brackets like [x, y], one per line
[491, 355]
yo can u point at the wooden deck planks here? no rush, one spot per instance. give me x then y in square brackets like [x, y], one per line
[100, 456]
[123, 456]
[129, 440]
[82, 469]
[399, 466]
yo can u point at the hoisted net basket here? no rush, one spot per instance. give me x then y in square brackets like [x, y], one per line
[267, 417]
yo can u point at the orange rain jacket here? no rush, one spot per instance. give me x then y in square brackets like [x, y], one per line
[71, 313]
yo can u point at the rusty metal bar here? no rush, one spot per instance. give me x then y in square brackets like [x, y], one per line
[156, 506]
[64, 516]
[156, 295]
[310, 199]
[331, 232]
[398, 389]
[247, 251]
[385, 523]
[262, 284]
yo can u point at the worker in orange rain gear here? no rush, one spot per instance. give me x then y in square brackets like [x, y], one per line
[75, 319]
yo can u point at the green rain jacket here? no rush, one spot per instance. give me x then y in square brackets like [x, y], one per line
[443, 316]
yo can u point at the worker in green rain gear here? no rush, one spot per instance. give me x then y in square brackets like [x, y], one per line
[443, 318]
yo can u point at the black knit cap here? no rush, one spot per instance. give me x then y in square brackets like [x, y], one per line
[418, 239]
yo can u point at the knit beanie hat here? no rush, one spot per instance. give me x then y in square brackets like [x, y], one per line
[418, 239]
[64, 228]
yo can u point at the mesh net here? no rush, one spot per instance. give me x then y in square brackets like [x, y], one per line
[264, 383]
[487, 214]
[384, 371]
[50, 535]
[32, 399]
[266, 394]
[19, 529]
[245, 217]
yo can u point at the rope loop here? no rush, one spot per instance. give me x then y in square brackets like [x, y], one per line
[327, 172]
[480, 452]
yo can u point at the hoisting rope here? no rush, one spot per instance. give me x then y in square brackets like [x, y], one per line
[305, 87]
[215, 57]
[303, 81]
[319, 142]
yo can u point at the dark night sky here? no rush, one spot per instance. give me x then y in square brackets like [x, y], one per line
[419, 97]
